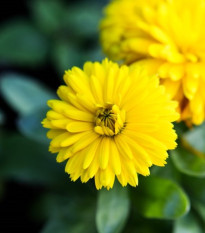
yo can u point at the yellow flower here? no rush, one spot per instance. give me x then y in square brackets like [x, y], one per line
[111, 121]
[167, 36]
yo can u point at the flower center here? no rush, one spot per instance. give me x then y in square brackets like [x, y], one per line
[110, 120]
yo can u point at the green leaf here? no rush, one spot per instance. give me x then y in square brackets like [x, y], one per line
[112, 209]
[200, 208]
[85, 17]
[75, 216]
[196, 138]
[30, 126]
[24, 94]
[187, 224]
[160, 198]
[181, 128]
[48, 15]
[140, 224]
[169, 171]
[25, 160]
[64, 226]
[195, 187]
[187, 162]
[21, 44]
[65, 55]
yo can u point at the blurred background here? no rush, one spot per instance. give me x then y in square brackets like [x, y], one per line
[39, 40]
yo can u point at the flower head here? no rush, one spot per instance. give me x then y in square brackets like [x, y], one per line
[111, 122]
[168, 37]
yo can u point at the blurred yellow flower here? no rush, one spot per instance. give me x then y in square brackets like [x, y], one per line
[111, 121]
[168, 37]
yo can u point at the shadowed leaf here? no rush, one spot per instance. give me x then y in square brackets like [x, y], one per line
[112, 209]
[24, 94]
[21, 44]
[160, 198]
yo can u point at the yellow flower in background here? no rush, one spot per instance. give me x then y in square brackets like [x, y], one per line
[168, 37]
[111, 121]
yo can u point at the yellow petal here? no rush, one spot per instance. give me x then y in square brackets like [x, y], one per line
[91, 153]
[104, 152]
[190, 85]
[71, 139]
[176, 72]
[54, 133]
[64, 154]
[84, 141]
[115, 158]
[56, 142]
[123, 147]
[77, 126]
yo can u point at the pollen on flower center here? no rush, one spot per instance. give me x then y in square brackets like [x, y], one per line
[110, 120]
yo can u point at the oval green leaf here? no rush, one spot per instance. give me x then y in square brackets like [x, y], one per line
[187, 162]
[200, 208]
[195, 187]
[72, 215]
[65, 55]
[187, 224]
[160, 198]
[112, 209]
[196, 138]
[85, 16]
[21, 44]
[28, 161]
[24, 94]
[48, 15]
[30, 126]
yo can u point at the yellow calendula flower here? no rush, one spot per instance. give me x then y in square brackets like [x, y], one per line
[111, 121]
[167, 36]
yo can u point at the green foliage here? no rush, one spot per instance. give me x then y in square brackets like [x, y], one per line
[30, 126]
[24, 160]
[195, 187]
[188, 163]
[24, 94]
[169, 171]
[22, 44]
[61, 34]
[196, 138]
[189, 156]
[48, 15]
[160, 198]
[187, 224]
[60, 23]
[28, 98]
[74, 216]
[112, 209]
[83, 20]
[65, 55]
[200, 208]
